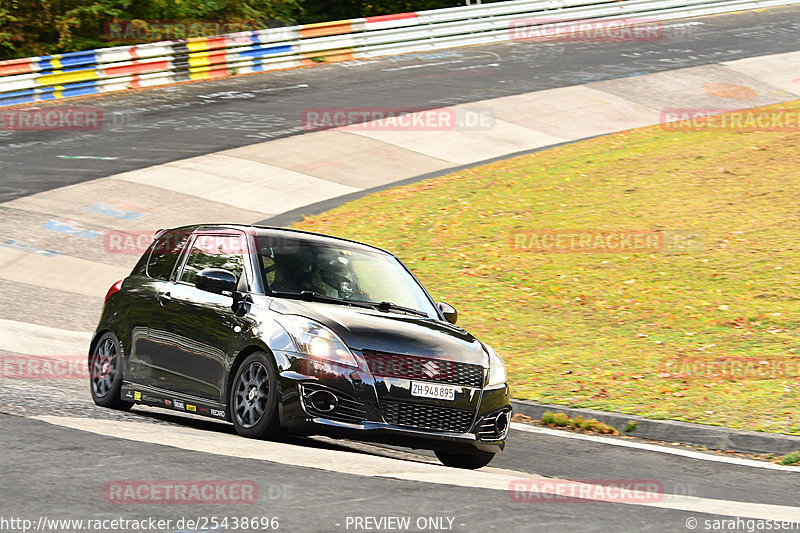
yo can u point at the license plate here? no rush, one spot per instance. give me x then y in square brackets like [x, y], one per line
[429, 390]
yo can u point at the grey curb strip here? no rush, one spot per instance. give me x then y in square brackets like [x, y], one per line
[717, 438]
[296, 215]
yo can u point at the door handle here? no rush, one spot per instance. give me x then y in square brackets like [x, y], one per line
[165, 298]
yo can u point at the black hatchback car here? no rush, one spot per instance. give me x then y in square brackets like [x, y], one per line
[278, 331]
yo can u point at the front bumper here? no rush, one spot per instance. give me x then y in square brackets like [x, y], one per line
[365, 407]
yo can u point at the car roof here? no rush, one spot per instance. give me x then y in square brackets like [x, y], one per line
[269, 231]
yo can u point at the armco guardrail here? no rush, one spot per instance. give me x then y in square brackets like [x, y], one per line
[131, 67]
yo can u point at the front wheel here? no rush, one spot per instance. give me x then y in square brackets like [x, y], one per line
[105, 373]
[463, 460]
[254, 398]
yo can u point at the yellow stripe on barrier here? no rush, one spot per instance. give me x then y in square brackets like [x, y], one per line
[208, 71]
[61, 78]
[199, 59]
[200, 73]
[55, 62]
[197, 46]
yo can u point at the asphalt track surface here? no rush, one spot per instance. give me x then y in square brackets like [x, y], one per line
[49, 469]
[166, 124]
[303, 500]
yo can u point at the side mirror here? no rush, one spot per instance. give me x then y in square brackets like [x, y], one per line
[449, 312]
[215, 280]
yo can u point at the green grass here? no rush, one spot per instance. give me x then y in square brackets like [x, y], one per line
[599, 329]
[790, 459]
[589, 425]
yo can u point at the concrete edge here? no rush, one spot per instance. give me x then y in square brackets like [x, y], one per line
[296, 215]
[714, 437]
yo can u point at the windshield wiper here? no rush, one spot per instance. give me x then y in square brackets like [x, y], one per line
[313, 296]
[307, 295]
[390, 306]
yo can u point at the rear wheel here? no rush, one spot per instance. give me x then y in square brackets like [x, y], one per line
[105, 373]
[463, 460]
[254, 398]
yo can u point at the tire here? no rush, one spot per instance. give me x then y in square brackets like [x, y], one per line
[253, 398]
[467, 461]
[105, 373]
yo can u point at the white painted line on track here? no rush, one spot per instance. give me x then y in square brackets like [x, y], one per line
[424, 65]
[33, 339]
[384, 467]
[653, 448]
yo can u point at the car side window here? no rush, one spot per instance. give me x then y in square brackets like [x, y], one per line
[164, 254]
[214, 251]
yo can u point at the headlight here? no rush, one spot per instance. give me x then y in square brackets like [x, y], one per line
[497, 368]
[313, 339]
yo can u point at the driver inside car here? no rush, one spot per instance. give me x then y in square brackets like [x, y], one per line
[334, 276]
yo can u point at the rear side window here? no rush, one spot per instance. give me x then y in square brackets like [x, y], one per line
[164, 254]
[214, 251]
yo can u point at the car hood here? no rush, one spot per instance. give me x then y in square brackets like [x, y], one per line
[395, 333]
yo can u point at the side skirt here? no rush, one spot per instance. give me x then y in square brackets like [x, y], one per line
[142, 394]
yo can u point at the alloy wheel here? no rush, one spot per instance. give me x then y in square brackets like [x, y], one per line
[104, 368]
[252, 392]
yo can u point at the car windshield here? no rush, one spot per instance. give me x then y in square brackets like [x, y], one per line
[334, 271]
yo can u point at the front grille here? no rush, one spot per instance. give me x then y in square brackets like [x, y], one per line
[348, 408]
[427, 417]
[424, 368]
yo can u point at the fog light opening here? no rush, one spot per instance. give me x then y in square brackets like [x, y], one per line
[323, 401]
[501, 423]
